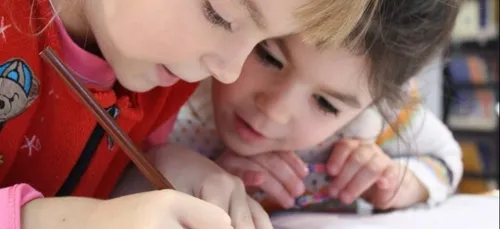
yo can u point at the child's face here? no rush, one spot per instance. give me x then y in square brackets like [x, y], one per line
[290, 96]
[155, 42]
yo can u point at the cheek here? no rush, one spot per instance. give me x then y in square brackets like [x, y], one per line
[312, 132]
[251, 81]
[157, 30]
[227, 98]
[254, 76]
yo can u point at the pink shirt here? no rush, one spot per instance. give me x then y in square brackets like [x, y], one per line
[11, 200]
[94, 71]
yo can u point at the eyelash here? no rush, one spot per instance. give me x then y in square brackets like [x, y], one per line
[266, 58]
[214, 17]
[325, 106]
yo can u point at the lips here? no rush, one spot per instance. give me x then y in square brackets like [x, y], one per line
[165, 77]
[247, 132]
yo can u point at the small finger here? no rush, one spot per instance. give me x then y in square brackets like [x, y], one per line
[218, 190]
[363, 180]
[340, 153]
[239, 209]
[250, 172]
[252, 178]
[389, 178]
[384, 198]
[276, 191]
[260, 217]
[354, 163]
[208, 215]
[283, 173]
[295, 163]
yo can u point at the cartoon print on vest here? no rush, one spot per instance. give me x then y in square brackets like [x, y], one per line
[18, 89]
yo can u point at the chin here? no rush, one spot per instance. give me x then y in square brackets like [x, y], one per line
[133, 85]
[240, 148]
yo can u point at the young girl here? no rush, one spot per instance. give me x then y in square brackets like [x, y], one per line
[123, 50]
[292, 97]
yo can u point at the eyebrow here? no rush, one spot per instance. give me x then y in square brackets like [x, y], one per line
[350, 100]
[254, 12]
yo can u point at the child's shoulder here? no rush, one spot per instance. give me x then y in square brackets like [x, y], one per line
[25, 29]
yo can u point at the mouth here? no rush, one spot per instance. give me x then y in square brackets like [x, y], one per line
[247, 132]
[165, 77]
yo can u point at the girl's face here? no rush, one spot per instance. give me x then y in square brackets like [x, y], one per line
[290, 96]
[153, 43]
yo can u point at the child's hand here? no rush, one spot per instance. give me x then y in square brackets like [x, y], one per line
[149, 210]
[357, 166]
[361, 168]
[405, 191]
[279, 174]
[193, 173]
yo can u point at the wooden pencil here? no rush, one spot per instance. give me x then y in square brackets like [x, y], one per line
[107, 122]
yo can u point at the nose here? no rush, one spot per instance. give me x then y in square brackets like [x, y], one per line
[277, 104]
[226, 63]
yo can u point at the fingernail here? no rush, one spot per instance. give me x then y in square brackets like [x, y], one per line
[289, 203]
[305, 171]
[334, 192]
[392, 175]
[334, 170]
[346, 198]
[383, 183]
[299, 189]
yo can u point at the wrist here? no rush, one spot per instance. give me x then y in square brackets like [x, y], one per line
[58, 213]
[421, 192]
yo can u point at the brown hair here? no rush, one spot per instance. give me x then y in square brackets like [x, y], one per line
[400, 37]
[397, 36]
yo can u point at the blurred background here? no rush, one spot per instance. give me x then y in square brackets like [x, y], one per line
[461, 86]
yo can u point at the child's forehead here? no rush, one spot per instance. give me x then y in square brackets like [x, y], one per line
[273, 15]
[335, 68]
[307, 57]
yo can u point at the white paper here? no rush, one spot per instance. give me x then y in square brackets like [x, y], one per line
[459, 212]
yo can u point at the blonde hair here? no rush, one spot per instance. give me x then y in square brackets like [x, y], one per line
[327, 23]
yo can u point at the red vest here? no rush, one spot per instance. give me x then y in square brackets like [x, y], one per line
[44, 128]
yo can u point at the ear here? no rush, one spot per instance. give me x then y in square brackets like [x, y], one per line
[34, 92]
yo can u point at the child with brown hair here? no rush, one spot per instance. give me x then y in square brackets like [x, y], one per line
[131, 55]
[409, 158]
[291, 97]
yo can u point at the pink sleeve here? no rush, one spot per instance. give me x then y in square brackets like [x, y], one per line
[159, 136]
[11, 200]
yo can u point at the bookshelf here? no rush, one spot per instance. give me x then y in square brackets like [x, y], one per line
[471, 97]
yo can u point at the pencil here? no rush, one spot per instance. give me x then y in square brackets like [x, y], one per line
[107, 122]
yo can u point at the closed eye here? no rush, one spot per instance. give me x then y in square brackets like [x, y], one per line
[325, 105]
[214, 17]
[266, 58]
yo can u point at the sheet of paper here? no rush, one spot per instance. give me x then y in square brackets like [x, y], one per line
[460, 212]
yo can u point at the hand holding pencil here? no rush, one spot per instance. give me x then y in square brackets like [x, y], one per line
[149, 210]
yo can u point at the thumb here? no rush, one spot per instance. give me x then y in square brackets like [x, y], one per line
[195, 213]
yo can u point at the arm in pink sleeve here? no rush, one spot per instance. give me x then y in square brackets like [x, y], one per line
[11, 200]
